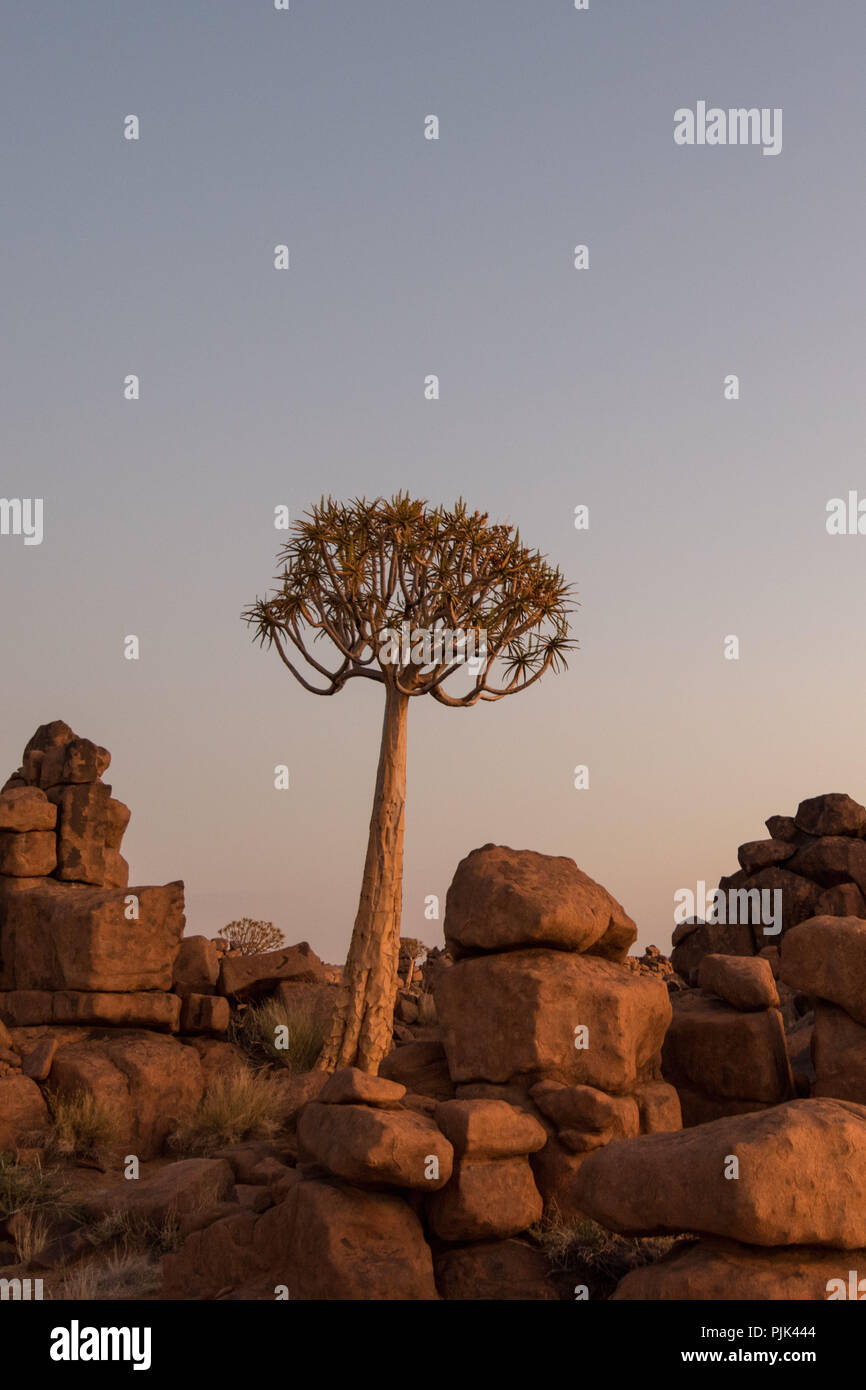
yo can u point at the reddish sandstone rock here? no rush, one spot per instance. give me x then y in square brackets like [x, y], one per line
[798, 898]
[488, 1129]
[82, 813]
[698, 1108]
[745, 982]
[216, 1056]
[204, 1013]
[498, 1270]
[116, 820]
[38, 1061]
[27, 853]
[555, 1171]
[252, 977]
[500, 898]
[303, 999]
[826, 957]
[325, 1242]
[839, 1055]
[760, 854]
[115, 869]
[218, 1257]
[149, 1080]
[844, 900]
[834, 860]
[693, 940]
[26, 808]
[719, 1050]
[834, 813]
[485, 1200]
[349, 1086]
[422, 1068]
[178, 1189]
[586, 1109]
[725, 1270]
[76, 761]
[140, 1009]
[516, 1014]
[802, 1178]
[56, 936]
[344, 1243]
[57, 734]
[23, 1112]
[783, 828]
[659, 1107]
[385, 1147]
[297, 1090]
[196, 967]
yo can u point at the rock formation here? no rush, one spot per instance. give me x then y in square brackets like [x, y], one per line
[780, 1194]
[815, 859]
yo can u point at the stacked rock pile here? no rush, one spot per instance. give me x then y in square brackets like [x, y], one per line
[815, 860]
[725, 1051]
[540, 1010]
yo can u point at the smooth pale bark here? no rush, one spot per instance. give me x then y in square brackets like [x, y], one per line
[363, 1020]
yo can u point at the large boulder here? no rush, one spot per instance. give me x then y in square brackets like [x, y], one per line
[149, 1081]
[801, 1178]
[501, 898]
[485, 1200]
[834, 813]
[745, 981]
[326, 1241]
[82, 819]
[383, 1147]
[723, 1052]
[23, 1111]
[488, 1129]
[723, 1270]
[347, 1244]
[543, 1013]
[27, 853]
[834, 860]
[59, 936]
[826, 957]
[26, 808]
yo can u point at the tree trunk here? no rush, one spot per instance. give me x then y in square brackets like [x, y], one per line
[363, 1022]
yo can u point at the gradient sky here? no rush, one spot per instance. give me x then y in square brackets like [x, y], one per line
[558, 387]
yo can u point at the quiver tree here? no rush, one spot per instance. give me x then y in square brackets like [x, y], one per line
[377, 591]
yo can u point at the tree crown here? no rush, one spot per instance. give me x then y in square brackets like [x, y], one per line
[354, 574]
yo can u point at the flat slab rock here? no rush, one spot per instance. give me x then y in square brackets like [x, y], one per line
[802, 1178]
[501, 898]
[351, 1086]
[250, 977]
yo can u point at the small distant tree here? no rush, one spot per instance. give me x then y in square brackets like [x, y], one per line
[252, 938]
[354, 576]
